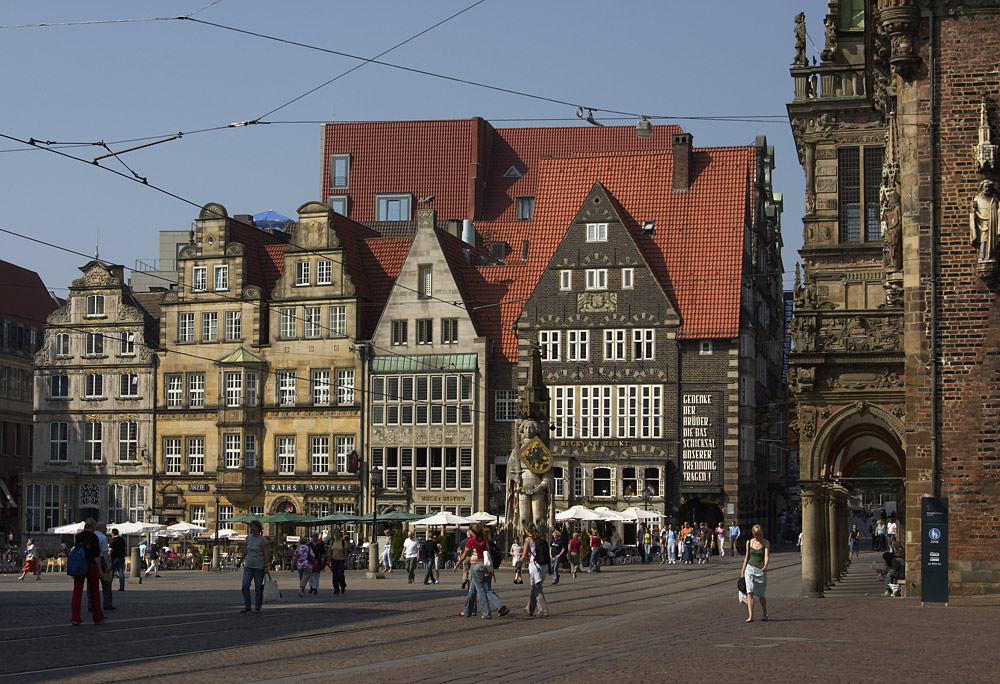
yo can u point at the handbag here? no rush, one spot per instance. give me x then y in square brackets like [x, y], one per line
[271, 591]
[487, 561]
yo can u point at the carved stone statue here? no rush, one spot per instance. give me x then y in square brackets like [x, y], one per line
[532, 487]
[892, 227]
[802, 294]
[830, 50]
[986, 151]
[983, 222]
[800, 41]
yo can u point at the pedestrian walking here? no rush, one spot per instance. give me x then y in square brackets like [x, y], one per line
[734, 537]
[338, 560]
[87, 540]
[557, 549]
[595, 551]
[430, 551]
[104, 562]
[575, 551]
[153, 557]
[536, 555]
[465, 564]
[119, 549]
[758, 554]
[720, 539]
[385, 560]
[411, 555]
[302, 560]
[254, 565]
[852, 541]
[670, 541]
[475, 550]
[515, 558]
[31, 565]
[647, 545]
[319, 562]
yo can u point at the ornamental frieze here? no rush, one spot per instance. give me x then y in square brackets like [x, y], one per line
[863, 380]
[597, 302]
[859, 334]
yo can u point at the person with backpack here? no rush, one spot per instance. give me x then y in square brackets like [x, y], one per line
[82, 565]
[536, 555]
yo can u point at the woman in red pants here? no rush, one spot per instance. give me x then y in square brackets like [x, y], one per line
[92, 548]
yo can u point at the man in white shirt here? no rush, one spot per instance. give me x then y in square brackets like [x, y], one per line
[734, 537]
[411, 554]
[105, 564]
[890, 531]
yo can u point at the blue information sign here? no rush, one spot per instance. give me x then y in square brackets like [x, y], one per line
[934, 549]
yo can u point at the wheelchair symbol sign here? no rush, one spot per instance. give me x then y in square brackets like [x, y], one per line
[934, 534]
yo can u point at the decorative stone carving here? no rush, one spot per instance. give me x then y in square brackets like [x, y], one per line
[889, 205]
[983, 232]
[803, 333]
[212, 210]
[801, 378]
[251, 292]
[859, 334]
[59, 316]
[899, 22]
[800, 41]
[803, 295]
[986, 151]
[235, 249]
[128, 313]
[96, 276]
[807, 422]
[90, 496]
[862, 380]
[830, 28]
[597, 302]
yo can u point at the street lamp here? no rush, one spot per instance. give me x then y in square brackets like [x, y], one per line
[215, 547]
[374, 482]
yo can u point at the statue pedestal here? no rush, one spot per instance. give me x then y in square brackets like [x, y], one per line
[987, 270]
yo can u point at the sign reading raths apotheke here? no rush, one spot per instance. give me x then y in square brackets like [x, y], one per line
[701, 440]
[314, 487]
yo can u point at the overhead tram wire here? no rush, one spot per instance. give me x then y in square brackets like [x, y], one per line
[108, 21]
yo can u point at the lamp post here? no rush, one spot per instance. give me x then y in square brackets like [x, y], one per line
[215, 546]
[374, 482]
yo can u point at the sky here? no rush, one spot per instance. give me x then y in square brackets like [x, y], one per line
[82, 84]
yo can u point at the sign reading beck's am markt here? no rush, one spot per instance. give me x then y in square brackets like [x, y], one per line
[701, 444]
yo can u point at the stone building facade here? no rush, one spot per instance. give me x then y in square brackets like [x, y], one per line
[894, 328]
[94, 427]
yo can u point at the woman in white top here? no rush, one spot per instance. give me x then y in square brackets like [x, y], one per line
[254, 565]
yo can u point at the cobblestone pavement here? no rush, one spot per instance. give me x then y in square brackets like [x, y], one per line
[633, 623]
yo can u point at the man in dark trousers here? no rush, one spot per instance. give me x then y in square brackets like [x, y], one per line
[119, 549]
[430, 551]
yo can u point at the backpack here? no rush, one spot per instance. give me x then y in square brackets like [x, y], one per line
[76, 564]
[495, 554]
[542, 556]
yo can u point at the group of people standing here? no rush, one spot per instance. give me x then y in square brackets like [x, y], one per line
[105, 560]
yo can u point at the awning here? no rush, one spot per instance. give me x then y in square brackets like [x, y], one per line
[425, 363]
[7, 495]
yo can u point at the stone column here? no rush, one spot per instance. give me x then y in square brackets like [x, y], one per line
[838, 531]
[824, 539]
[812, 540]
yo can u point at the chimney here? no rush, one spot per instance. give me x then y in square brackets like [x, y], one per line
[118, 272]
[682, 162]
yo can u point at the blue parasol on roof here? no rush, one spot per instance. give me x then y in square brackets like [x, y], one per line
[271, 220]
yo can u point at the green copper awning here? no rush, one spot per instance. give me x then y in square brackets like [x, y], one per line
[425, 363]
[241, 355]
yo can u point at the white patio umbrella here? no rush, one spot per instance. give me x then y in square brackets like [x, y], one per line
[483, 517]
[613, 516]
[577, 513]
[187, 528]
[442, 519]
[73, 528]
[642, 514]
[136, 527]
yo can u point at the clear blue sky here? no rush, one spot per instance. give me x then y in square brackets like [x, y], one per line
[113, 82]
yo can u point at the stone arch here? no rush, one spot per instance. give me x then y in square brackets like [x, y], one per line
[859, 427]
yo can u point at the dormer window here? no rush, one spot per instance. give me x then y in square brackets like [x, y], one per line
[525, 208]
[199, 278]
[392, 207]
[222, 277]
[340, 170]
[512, 172]
[95, 305]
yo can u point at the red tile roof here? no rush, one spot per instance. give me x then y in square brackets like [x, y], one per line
[27, 300]
[259, 260]
[381, 259]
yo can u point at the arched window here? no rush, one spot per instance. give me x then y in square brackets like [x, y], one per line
[116, 504]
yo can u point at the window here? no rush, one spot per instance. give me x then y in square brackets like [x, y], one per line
[595, 411]
[630, 481]
[286, 328]
[185, 327]
[399, 332]
[597, 232]
[172, 455]
[199, 278]
[564, 412]
[128, 384]
[579, 475]
[505, 405]
[137, 502]
[233, 382]
[286, 388]
[128, 440]
[345, 386]
[651, 477]
[234, 325]
[95, 306]
[525, 208]
[313, 321]
[174, 391]
[614, 345]
[256, 511]
[548, 341]
[345, 445]
[210, 326]
[425, 333]
[116, 504]
[392, 207]
[338, 203]
[58, 387]
[225, 513]
[597, 279]
[51, 505]
[859, 178]
[628, 411]
[301, 273]
[197, 515]
[449, 331]
[578, 345]
[651, 412]
[565, 280]
[250, 451]
[319, 455]
[232, 447]
[196, 390]
[340, 170]
[321, 387]
[58, 441]
[93, 436]
[62, 344]
[126, 343]
[286, 454]
[604, 483]
[324, 272]
[196, 455]
[643, 344]
[32, 508]
[95, 344]
[221, 277]
[705, 347]
[338, 321]
[252, 382]
[628, 278]
[94, 386]
[424, 281]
